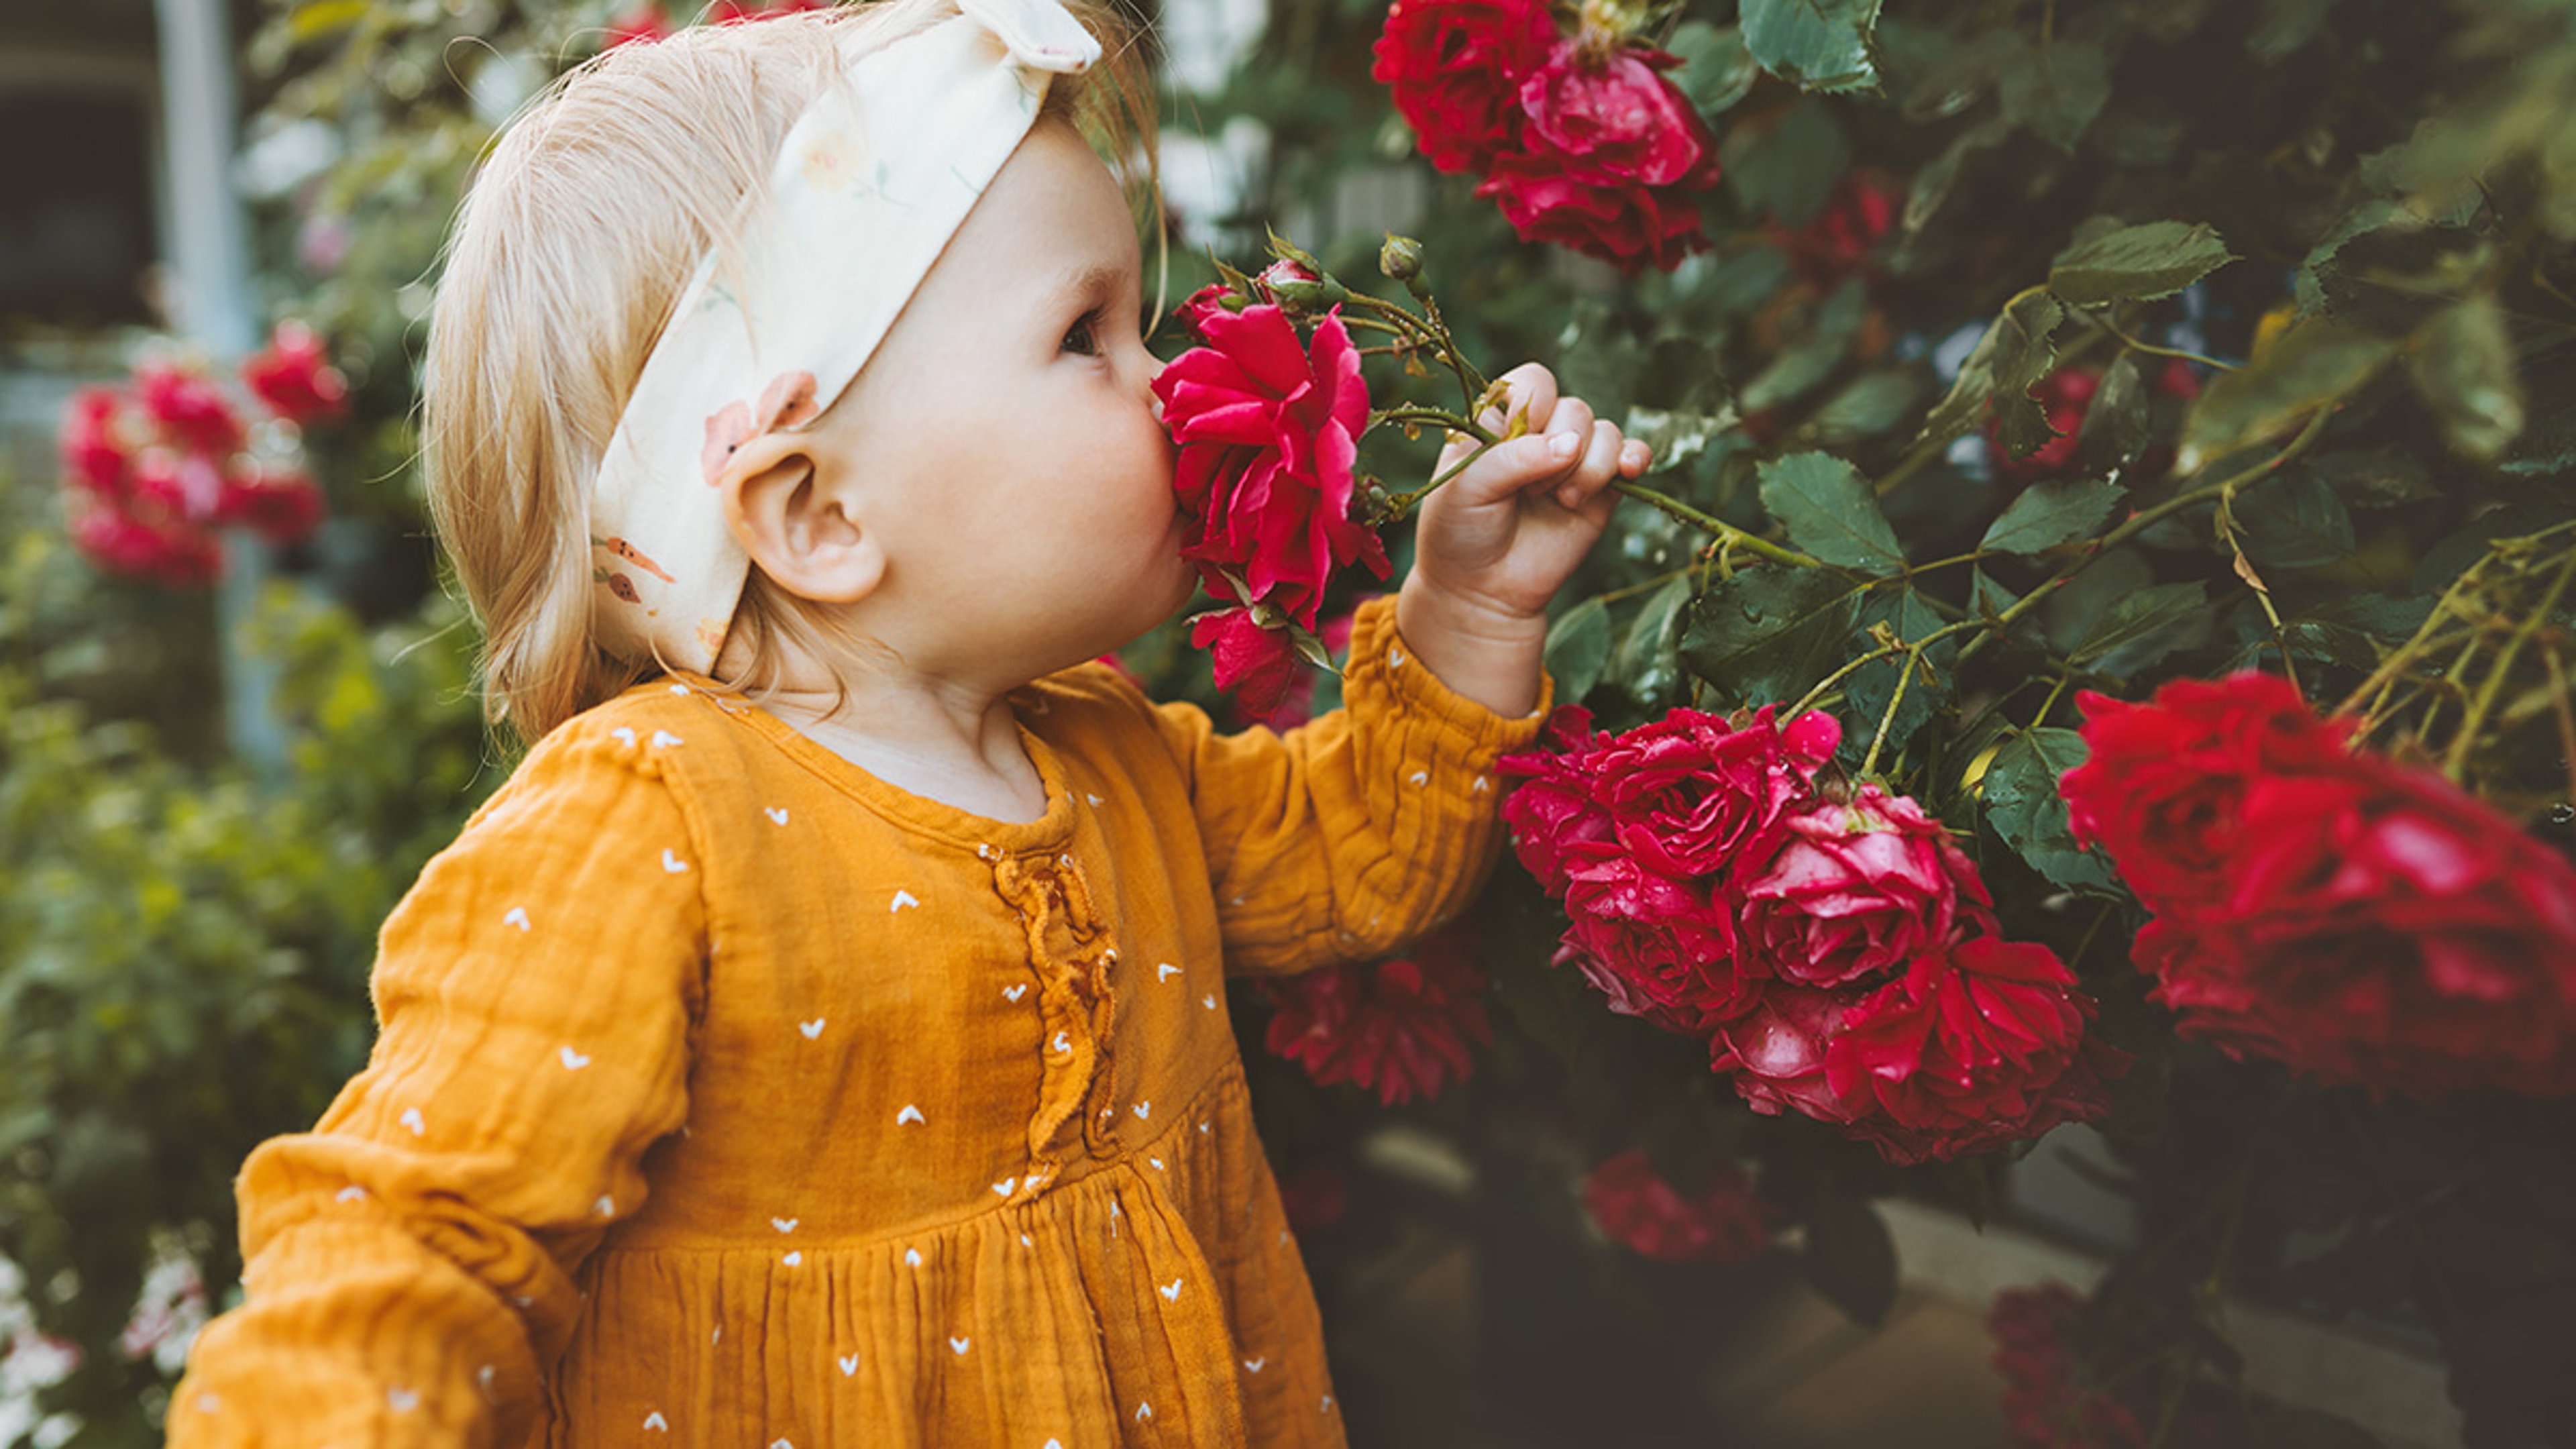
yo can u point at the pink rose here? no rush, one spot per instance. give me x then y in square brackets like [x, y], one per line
[191, 411]
[294, 376]
[1861, 890]
[1614, 119]
[1268, 440]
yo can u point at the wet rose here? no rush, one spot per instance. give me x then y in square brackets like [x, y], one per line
[1400, 1027]
[1268, 434]
[1692, 792]
[1983, 1044]
[1859, 890]
[1656, 947]
[1725, 1221]
[1454, 70]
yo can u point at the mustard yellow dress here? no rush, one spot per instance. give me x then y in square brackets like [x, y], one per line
[727, 1095]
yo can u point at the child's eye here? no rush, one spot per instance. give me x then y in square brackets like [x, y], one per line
[1083, 337]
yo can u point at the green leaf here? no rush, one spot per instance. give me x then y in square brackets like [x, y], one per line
[1716, 70]
[1933, 183]
[2387, 476]
[2016, 352]
[2393, 277]
[1811, 359]
[1872, 686]
[1867, 406]
[2137, 263]
[1830, 511]
[2056, 93]
[2463, 364]
[2114, 434]
[1818, 45]
[1769, 633]
[2048, 514]
[2294, 521]
[2023, 805]
[1578, 648]
[1851, 1258]
[2316, 362]
[1643, 663]
[1788, 166]
[2146, 625]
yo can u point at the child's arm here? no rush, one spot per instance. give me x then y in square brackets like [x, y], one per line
[409, 1261]
[1375, 823]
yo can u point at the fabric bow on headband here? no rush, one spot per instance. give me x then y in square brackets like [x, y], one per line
[823, 271]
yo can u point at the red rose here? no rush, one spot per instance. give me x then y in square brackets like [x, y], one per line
[2383, 929]
[1975, 1047]
[2065, 396]
[1268, 440]
[93, 449]
[1777, 1051]
[1296, 703]
[1837, 242]
[1724, 1222]
[1400, 1026]
[1691, 792]
[282, 506]
[1658, 948]
[170, 553]
[190, 410]
[1253, 664]
[1553, 808]
[294, 376]
[1611, 118]
[1626, 224]
[2165, 780]
[2049, 1393]
[1861, 890]
[641, 23]
[186, 488]
[1454, 69]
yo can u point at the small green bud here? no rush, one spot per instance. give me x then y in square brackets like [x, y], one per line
[1400, 258]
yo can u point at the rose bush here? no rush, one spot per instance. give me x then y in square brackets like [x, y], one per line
[1726, 1221]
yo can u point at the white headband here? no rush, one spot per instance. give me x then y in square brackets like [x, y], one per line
[825, 269]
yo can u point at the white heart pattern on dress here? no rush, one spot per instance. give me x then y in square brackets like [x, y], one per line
[1014, 993]
[1208, 1001]
[1003, 1188]
[351, 1193]
[664, 739]
[910, 1113]
[573, 1061]
[776, 815]
[1165, 971]
[516, 916]
[1144, 1110]
[622, 735]
[795, 1259]
[1253, 1365]
[411, 1118]
[812, 1029]
[1171, 1291]
[785, 1225]
[1144, 1411]
[606, 1206]
[1061, 1043]
[673, 863]
[402, 1401]
[959, 1344]
[849, 1364]
[1422, 777]
[912, 1257]
[656, 1422]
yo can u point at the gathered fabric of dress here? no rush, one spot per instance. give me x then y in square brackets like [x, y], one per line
[725, 1094]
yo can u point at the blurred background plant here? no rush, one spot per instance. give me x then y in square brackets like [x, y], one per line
[2144, 341]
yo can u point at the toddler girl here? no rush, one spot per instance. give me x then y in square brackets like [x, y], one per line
[821, 1039]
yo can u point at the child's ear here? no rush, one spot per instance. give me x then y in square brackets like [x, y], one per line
[783, 505]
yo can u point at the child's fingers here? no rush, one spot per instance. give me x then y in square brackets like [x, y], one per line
[1601, 461]
[1531, 393]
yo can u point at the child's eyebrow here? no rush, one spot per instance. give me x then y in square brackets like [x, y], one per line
[1097, 279]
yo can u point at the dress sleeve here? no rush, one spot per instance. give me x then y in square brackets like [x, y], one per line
[409, 1261]
[1358, 831]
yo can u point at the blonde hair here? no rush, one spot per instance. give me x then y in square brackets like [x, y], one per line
[571, 249]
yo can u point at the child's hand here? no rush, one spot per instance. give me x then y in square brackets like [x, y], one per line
[1493, 544]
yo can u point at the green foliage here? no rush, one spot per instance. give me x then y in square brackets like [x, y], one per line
[183, 947]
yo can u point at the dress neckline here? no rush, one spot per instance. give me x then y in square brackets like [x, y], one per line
[919, 813]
